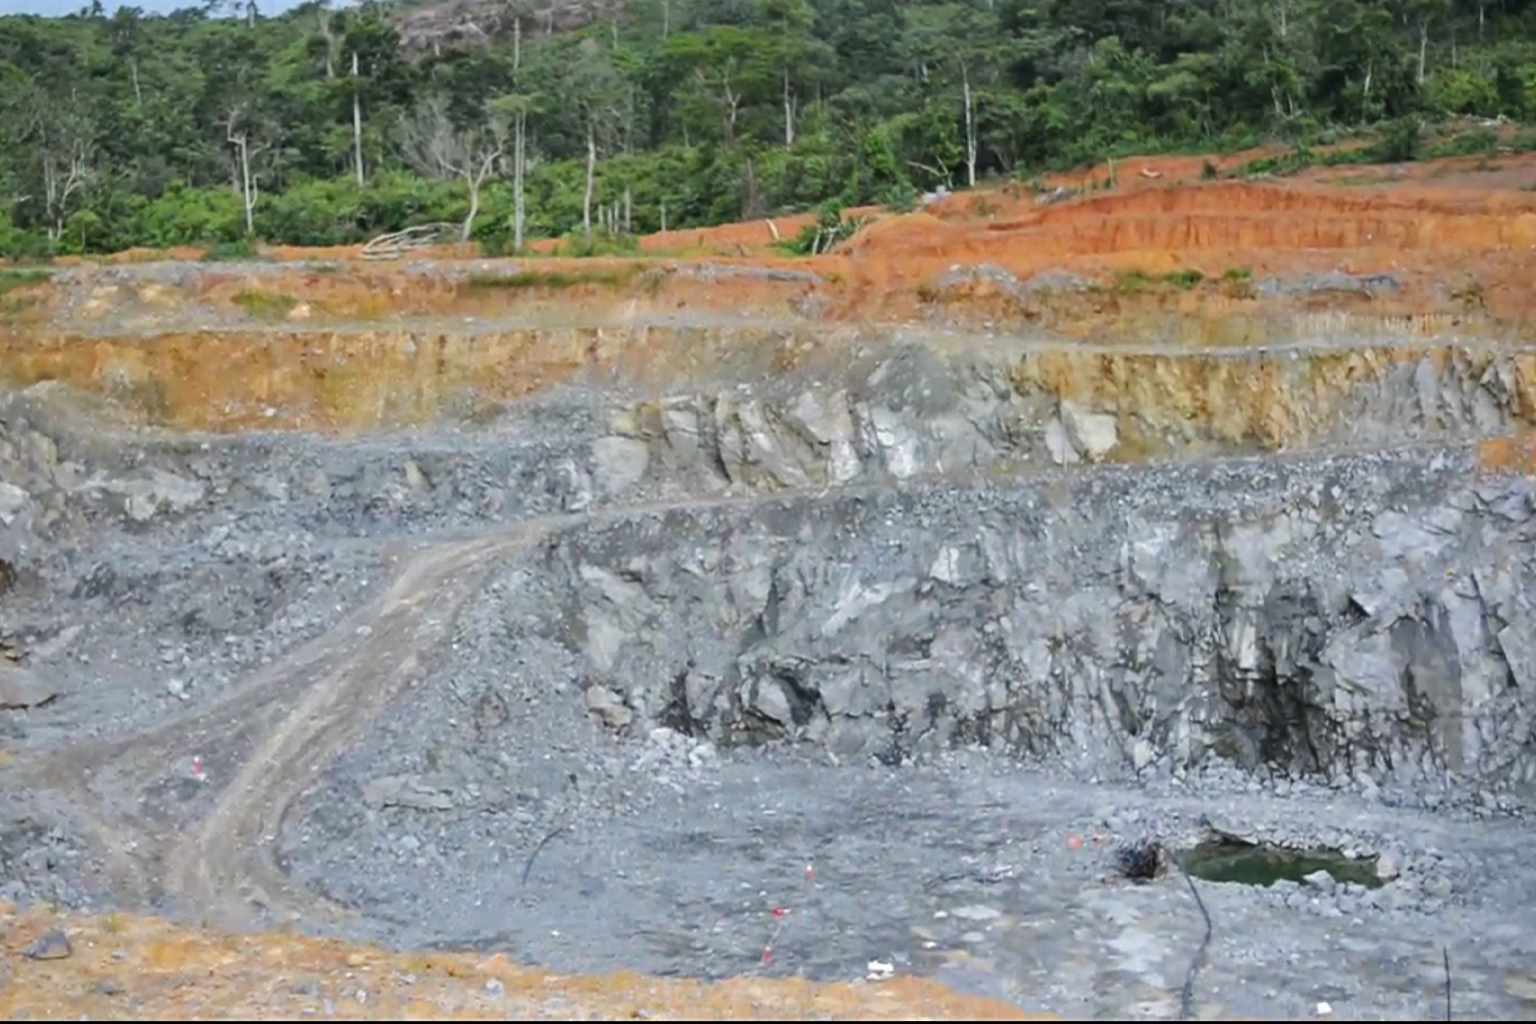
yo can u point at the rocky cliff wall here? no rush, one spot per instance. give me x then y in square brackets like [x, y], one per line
[1366, 618]
[1360, 616]
[866, 415]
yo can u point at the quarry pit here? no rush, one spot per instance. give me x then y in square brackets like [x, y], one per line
[718, 615]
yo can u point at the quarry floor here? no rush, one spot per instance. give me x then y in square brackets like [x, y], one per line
[265, 752]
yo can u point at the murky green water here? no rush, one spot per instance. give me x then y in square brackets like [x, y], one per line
[1245, 864]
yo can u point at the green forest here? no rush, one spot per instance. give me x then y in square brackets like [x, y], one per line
[597, 120]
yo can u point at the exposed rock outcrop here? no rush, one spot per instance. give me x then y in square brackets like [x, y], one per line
[1346, 616]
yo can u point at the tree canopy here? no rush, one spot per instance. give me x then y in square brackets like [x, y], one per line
[325, 126]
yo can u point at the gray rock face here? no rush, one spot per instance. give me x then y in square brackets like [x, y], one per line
[901, 410]
[12, 500]
[1093, 434]
[22, 688]
[1345, 616]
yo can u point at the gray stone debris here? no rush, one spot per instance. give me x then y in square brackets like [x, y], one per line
[608, 706]
[1093, 435]
[52, 946]
[22, 687]
[1389, 864]
[12, 500]
[618, 463]
[1330, 281]
[414, 792]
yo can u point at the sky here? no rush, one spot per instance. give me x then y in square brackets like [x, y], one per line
[60, 7]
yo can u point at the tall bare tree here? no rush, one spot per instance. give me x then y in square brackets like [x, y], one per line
[56, 128]
[325, 19]
[435, 146]
[514, 110]
[239, 133]
[66, 172]
[599, 95]
[357, 122]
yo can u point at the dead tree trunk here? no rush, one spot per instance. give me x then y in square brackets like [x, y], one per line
[60, 182]
[1365, 95]
[357, 122]
[250, 187]
[789, 113]
[970, 128]
[519, 166]
[732, 101]
[586, 199]
[474, 177]
[1423, 47]
[330, 43]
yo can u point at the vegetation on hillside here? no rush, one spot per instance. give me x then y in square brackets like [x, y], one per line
[598, 118]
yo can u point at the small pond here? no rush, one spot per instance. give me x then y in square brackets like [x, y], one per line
[1259, 864]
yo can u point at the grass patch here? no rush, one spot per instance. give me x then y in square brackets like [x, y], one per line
[1238, 282]
[245, 249]
[579, 245]
[264, 304]
[11, 278]
[554, 280]
[1134, 281]
[829, 231]
[1478, 142]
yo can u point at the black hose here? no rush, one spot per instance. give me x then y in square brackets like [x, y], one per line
[1186, 997]
[1446, 952]
[542, 843]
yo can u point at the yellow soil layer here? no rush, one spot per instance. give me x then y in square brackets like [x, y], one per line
[1268, 401]
[359, 380]
[364, 379]
[147, 969]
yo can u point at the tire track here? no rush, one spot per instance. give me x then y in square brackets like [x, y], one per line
[226, 861]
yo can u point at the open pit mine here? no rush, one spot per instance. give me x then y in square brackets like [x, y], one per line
[1118, 608]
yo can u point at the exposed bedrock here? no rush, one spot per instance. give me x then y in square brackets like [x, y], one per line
[917, 412]
[911, 410]
[1347, 616]
[1344, 615]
